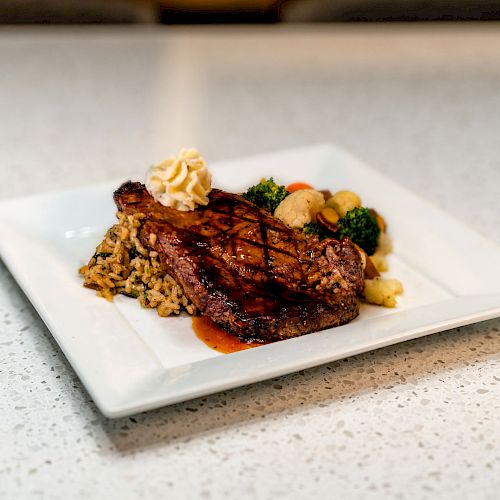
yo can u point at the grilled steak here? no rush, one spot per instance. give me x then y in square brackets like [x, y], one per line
[247, 271]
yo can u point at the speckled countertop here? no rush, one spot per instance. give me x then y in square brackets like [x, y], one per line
[416, 420]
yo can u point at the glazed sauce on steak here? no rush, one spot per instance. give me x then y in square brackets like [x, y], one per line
[245, 270]
[218, 339]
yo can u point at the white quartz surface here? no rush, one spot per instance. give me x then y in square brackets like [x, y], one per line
[416, 420]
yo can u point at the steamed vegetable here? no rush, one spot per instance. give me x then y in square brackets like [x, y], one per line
[295, 186]
[361, 227]
[321, 232]
[328, 218]
[266, 194]
[382, 291]
[343, 201]
[300, 207]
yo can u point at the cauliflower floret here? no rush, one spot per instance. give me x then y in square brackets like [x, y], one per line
[343, 201]
[380, 262]
[382, 291]
[300, 207]
[384, 247]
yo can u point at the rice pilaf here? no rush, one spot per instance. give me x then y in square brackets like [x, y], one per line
[121, 265]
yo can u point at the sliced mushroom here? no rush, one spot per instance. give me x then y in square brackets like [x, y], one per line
[327, 194]
[370, 271]
[328, 218]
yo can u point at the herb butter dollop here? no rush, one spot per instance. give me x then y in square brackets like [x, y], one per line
[181, 182]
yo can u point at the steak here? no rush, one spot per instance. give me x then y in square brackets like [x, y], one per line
[246, 270]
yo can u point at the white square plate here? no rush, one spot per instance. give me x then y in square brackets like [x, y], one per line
[131, 360]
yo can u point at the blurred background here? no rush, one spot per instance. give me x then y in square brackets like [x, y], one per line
[242, 11]
[112, 86]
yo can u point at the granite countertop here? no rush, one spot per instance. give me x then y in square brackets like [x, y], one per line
[421, 104]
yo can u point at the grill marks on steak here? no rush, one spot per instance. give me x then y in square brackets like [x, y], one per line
[247, 271]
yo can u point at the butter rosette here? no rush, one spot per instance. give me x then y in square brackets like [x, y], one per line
[181, 182]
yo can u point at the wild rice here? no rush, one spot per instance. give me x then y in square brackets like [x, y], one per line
[122, 265]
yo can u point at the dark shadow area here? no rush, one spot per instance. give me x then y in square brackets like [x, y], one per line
[219, 16]
[388, 10]
[78, 11]
[242, 12]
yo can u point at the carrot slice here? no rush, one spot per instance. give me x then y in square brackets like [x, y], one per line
[298, 185]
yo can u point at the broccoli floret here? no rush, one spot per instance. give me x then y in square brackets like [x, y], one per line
[321, 232]
[266, 194]
[361, 227]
